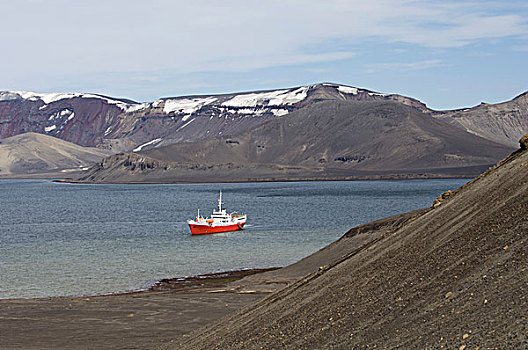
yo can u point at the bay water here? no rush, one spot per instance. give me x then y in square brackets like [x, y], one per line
[59, 239]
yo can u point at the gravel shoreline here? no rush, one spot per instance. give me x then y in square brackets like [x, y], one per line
[131, 320]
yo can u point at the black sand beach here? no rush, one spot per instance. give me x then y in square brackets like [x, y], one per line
[138, 320]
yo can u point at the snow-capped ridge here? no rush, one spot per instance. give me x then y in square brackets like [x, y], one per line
[49, 98]
[353, 90]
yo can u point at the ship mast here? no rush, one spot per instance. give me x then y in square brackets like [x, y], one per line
[220, 202]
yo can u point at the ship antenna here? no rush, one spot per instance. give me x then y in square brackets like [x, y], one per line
[220, 201]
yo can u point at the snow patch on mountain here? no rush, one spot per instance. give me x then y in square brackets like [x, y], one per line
[279, 112]
[62, 113]
[249, 111]
[186, 105]
[139, 148]
[50, 98]
[348, 89]
[253, 99]
[290, 98]
[9, 96]
[46, 98]
[184, 125]
[136, 108]
[59, 120]
[271, 98]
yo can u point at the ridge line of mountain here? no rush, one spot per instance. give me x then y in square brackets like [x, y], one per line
[319, 112]
[120, 124]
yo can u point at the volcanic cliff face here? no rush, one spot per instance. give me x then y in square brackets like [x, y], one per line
[449, 276]
[119, 124]
[83, 119]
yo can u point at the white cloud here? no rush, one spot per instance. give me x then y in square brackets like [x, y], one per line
[246, 63]
[187, 36]
[134, 44]
[404, 66]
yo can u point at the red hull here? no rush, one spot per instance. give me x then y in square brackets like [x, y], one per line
[205, 229]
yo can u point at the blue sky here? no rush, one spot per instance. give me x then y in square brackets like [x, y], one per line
[448, 54]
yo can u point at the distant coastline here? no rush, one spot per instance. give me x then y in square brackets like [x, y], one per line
[300, 179]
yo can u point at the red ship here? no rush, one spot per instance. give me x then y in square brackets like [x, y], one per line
[220, 221]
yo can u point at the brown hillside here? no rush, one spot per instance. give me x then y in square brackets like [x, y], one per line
[348, 136]
[33, 154]
[502, 122]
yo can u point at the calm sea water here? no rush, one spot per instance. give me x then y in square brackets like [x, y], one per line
[79, 239]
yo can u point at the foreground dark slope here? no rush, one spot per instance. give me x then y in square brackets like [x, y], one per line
[451, 276]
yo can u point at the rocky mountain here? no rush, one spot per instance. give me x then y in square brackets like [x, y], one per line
[193, 123]
[503, 122]
[82, 119]
[123, 125]
[32, 154]
[449, 276]
[331, 139]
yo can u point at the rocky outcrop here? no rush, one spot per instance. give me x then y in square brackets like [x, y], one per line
[442, 197]
[523, 142]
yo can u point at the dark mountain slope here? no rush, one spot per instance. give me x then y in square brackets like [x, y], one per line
[360, 135]
[454, 276]
[330, 139]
